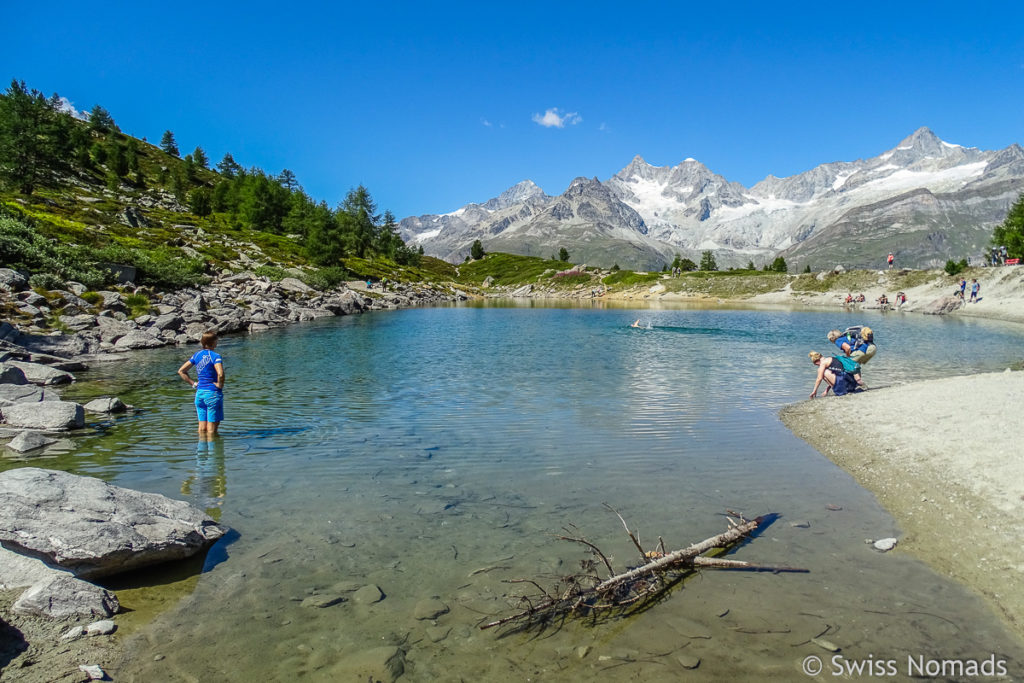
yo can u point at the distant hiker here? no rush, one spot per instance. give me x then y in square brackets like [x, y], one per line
[835, 375]
[1002, 255]
[963, 288]
[210, 385]
[890, 260]
[975, 288]
[383, 284]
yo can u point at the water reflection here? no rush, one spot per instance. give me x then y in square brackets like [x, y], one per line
[207, 485]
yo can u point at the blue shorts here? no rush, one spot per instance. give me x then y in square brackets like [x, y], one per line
[210, 405]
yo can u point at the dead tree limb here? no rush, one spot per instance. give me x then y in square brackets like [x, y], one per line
[590, 593]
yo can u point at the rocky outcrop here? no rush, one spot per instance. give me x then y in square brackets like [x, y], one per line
[94, 529]
[240, 302]
[942, 306]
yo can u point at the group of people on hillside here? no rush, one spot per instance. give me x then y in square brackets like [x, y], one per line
[841, 372]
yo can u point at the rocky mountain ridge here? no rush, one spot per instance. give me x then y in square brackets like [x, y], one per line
[925, 199]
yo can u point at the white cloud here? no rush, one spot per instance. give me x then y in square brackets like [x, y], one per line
[68, 107]
[552, 119]
[486, 123]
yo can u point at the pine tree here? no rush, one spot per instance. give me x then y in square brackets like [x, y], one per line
[563, 254]
[168, 144]
[200, 158]
[707, 261]
[477, 250]
[1010, 233]
[228, 167]
[287, 180]
[779, 265]
[101, 121]
[35, 136]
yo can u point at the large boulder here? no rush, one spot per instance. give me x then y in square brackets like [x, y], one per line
[54, 415]
[93, 528]
[138, 339]
[20, 393]
[43, 375]
[942, 306]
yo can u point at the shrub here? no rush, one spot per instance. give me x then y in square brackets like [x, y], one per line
[955, 267]
[326, 278]
[45, 281]
[273, 273]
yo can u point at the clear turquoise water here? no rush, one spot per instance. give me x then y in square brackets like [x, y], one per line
[410, 448]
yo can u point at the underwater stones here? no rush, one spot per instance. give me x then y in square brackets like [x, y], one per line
[367, 595]
[29, 441]
[885, 544]
[431, 608]
[688, 661]
[321, 601]
[385, 663]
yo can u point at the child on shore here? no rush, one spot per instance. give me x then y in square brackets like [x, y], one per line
[209, 385]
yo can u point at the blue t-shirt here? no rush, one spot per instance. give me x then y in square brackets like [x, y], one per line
[204, 360]
[844, 340]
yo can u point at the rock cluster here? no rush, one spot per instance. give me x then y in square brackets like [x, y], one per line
[231, 303]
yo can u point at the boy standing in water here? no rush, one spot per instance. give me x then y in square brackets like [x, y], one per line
[210, 385]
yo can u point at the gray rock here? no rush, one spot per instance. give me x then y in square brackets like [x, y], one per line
[367, 595]
[430, 609]
[60, 597]
[11, 374]
[885, 544]
[105, 405]
[168, 321]
[291, 284]
[29, 441]
[94, 529]
[111, 329]
[74, 633]
[323, 600]
[138, 339]
[942, 306]
[93, 671]
[56, 415]
[104, 627]
[21, 393]
[43, 375]
[21, 571]
[12, 280]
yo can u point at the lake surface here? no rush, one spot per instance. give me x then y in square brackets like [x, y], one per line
[435, 453]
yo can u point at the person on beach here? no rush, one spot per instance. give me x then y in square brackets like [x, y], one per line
[860, 298]
[209, 385]
[849, 298]
[975, 289]
[890, 260]
[963, 287]
[835, 375]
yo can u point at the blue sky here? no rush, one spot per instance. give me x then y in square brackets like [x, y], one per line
[434, 105]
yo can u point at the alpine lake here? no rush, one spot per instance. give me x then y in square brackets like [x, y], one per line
[436, 454]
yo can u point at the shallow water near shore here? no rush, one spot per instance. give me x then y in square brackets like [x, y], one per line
[435, 453]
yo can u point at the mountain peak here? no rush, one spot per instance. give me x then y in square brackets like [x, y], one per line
[519, 192]
[922, 140]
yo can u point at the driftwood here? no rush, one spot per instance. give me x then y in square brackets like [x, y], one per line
[590, 593]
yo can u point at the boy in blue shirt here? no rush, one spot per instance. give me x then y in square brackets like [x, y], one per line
[209, 386]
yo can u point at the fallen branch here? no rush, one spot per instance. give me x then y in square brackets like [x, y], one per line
[589, 593]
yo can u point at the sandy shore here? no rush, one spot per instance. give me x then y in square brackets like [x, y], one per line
[943, 456]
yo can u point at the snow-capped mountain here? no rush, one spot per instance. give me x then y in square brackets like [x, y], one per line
[925, 199]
